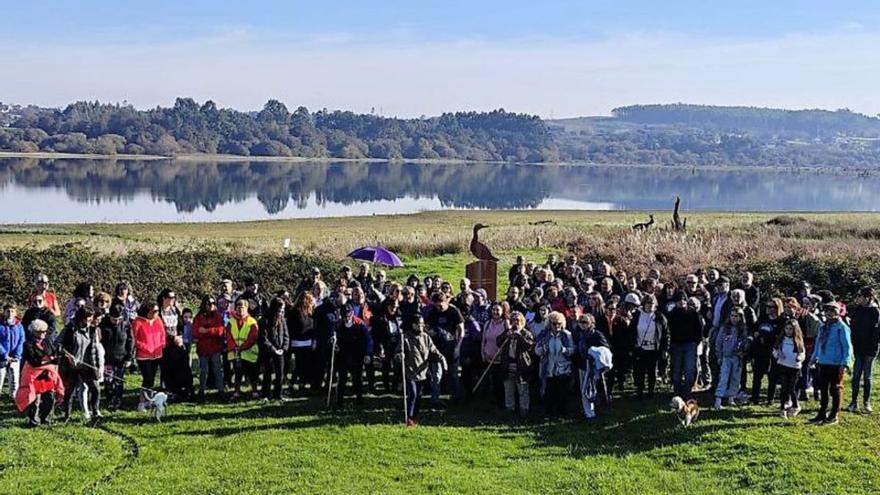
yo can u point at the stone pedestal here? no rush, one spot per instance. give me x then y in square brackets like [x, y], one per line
[483, 275]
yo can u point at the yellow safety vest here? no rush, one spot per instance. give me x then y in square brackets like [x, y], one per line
[240, 335]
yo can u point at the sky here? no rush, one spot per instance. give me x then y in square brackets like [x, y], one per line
[411, 58]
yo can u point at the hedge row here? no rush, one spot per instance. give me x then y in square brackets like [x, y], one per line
[191, 273]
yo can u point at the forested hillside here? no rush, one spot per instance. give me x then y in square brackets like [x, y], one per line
[188, 127]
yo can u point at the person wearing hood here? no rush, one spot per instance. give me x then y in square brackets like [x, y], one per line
[118, 345]
[11, 348]
[865, 327]
[651, 341]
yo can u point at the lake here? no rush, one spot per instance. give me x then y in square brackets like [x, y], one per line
[88, 190]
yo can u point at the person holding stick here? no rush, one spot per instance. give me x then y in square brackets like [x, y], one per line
[493, 337]
[416, 353]
[516, 363]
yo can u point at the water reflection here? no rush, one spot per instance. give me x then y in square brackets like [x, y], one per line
[131, 190]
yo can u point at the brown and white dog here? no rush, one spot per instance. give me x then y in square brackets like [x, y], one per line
[686, 412]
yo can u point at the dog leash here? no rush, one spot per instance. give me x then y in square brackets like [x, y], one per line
[105, 373]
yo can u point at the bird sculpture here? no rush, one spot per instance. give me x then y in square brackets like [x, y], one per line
[478, 248]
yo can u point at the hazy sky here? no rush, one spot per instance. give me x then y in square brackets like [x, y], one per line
[415, 57]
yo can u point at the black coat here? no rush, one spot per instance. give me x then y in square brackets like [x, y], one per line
[273, 336]
[685, 326]
[44, 314]
[117, 341]
[865, 330]
[35, 356]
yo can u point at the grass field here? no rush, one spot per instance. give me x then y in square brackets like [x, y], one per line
[297, 447]
[256, 447]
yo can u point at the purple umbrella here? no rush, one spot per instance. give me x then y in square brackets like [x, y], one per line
[376, 254]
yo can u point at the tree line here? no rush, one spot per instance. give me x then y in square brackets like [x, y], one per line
[190, 127]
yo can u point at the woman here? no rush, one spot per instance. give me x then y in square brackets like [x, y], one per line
[82, 294]
[765, 335]
[241, 346]
[122, 295]
[497, 325]
[148, 332]
[273, 348]
[516, 363]
[209, 334]
[41, 289]
[555, 348]
[621, 340]
[650, 344]
[79, 362]
[730, 344]
[471, 351]
[41, 386]
[865, 331]
[301, 328]
[592, 388]
[175, 366]
[539, 321]
[119, 348]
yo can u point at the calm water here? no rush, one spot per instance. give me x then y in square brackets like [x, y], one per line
[80, 190]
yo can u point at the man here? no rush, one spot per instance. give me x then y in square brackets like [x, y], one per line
[831, 357]
[721, 306]
[460, 302]
[513, 299]
[11, 348]
[865, 327]
[446, 327]
[355, 346]
[39, 311]
[685, 335]
[518, 268]
[326, 316]
[753, 294]
[256, 302]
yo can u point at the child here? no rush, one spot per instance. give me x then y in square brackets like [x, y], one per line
[790, 354]
[731, 344]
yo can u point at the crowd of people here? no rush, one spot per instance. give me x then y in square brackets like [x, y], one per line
[564, 331]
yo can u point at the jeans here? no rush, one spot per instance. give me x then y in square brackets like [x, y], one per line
[435, 372]
[829, 381]
[413, 395]
[13, 370]
[729, 374]
[211, 364]
[273, 376]
[40, 410]
[512, 388]
[862, 370]
[355, 370]
[684, 368]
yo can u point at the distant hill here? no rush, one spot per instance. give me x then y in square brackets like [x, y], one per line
[681, 134]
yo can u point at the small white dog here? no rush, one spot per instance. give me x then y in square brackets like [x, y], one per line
[157, 403]
[686, 412]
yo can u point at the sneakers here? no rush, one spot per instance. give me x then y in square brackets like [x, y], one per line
[868, 408]
[142, 406]
[794, 411]
[818, 419]
[852, 407]
[832, 420]
[717, 405]
[784, 413]
[731, 402]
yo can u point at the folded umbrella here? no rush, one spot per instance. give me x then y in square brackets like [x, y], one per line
[376, 254]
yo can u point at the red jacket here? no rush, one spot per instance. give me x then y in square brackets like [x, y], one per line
[149, 337]
[213, 339]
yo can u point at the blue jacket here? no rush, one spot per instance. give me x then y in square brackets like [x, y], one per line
[11, 340]
[833, 344]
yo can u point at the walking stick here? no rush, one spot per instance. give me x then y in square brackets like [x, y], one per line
[506, 340]
[403, 377]
[330, 379]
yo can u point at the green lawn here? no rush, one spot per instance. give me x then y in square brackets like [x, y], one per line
[255, 447]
